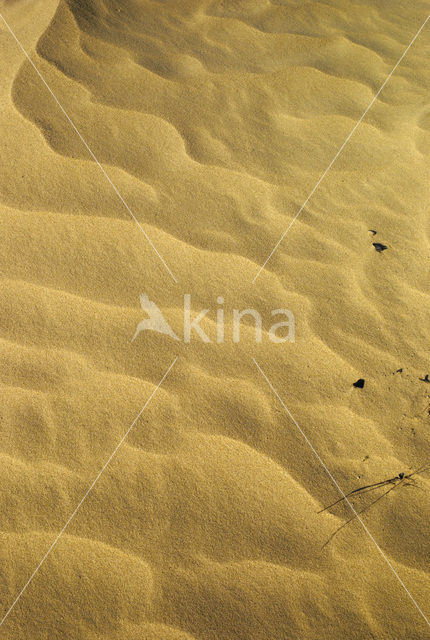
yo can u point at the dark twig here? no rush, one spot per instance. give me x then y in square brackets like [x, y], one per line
[396, 481]
[359, 512]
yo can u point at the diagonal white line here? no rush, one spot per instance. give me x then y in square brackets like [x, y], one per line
[333, 479]
[88, 491]
[106, 175]
[341, 148]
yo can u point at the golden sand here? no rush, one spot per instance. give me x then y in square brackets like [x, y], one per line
[214, 120]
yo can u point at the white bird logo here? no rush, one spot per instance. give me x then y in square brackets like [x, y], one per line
[156, 320]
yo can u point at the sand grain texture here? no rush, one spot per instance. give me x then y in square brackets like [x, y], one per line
[214, 120]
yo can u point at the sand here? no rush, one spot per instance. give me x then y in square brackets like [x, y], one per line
[214, 121]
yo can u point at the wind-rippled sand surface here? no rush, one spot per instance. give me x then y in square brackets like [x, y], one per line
[214, 120]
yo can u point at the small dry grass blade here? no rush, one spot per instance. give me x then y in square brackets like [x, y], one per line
[425, 467]
[377, 485]
[357, 513]
[365, 489]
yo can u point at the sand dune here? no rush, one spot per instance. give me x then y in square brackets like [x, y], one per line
[213, 120]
